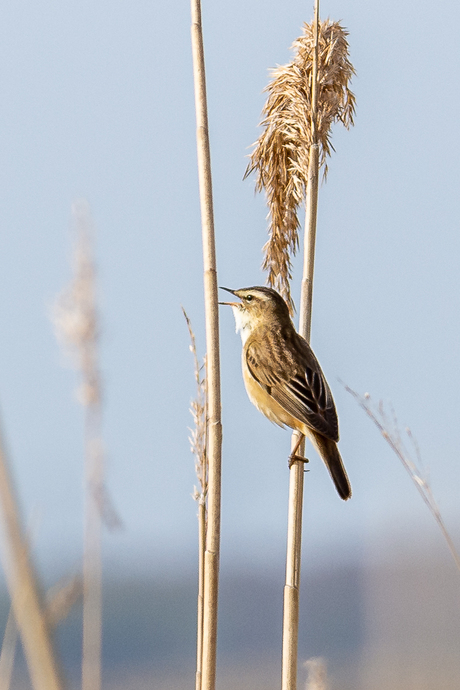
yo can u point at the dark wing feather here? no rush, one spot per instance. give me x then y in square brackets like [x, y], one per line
[284, 364]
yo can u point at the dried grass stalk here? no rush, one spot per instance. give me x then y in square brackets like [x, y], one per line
[198, 434]
[213, 422]
[411, 459]
[198, 446]
[76, 322]
[25, 595]
[282, 153]
[60, 599]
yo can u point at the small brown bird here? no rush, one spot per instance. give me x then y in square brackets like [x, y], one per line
[283, 378]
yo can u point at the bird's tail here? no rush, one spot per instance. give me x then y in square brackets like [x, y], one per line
[332, 459]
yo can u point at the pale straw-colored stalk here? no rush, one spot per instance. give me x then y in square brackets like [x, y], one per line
[202, 518]
[27, 604]
[411, 461]
[305, 98]
[59, 601]
[198, 444]
[214, 425]
[77, 326]
[296, 475]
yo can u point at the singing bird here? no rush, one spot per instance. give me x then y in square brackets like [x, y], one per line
[283, 378]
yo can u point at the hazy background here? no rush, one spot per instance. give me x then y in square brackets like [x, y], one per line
[96, 101]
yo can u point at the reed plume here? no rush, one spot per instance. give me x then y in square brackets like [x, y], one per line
[76, 323]
[282, 153]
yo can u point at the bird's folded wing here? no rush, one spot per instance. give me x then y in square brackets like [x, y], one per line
[297, 384]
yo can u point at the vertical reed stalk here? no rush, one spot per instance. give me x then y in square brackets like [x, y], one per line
[22, 585]
[214, 435]
[201, 558]
[296, 477]
[305, 97]
[92, 567]
[76, 322]
[292, 583]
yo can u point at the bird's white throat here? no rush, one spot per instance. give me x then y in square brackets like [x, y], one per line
[243, 323]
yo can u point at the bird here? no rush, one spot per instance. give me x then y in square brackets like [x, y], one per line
[283, 378]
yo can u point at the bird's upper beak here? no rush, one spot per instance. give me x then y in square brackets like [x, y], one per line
[230, 304]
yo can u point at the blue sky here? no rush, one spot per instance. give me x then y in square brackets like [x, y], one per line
[97, 102]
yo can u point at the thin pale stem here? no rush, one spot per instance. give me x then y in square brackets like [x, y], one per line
[306, 298]
[294, 536]
[214, 436]
[292, 585]
[26, 601]
[8, 653]
[422, 486]
[92, 571]
[314, 77]
[201, 556]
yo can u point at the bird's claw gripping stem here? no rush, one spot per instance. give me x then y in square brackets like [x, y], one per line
[294, 457]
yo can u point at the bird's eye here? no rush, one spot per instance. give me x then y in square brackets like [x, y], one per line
[248, 298]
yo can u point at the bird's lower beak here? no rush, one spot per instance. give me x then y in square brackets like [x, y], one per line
[230, 304]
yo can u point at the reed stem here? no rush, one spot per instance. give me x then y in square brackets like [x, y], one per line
[296, 479]
[214, 435]
[201, 556]
[92, 567]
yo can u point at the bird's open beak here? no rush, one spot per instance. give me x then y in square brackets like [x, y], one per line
[230, 304]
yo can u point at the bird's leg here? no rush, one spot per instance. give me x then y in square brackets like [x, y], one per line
[293, 456]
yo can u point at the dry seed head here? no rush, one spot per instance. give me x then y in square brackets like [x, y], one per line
[317, 674]
[75, 315]
[389, 428]
[198, 435]
[281, 154]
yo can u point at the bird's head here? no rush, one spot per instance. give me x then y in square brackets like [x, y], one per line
[258, 306]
